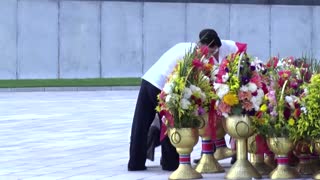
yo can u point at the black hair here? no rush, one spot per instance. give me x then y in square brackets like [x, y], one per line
[209, 37]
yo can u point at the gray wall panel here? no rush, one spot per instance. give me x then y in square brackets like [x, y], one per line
[121, 40]
[290, 30]
[163, 27]
[8, 38]
[316, 32]
[79, 39]
[250, 24]
[200, 16]
[38, 39]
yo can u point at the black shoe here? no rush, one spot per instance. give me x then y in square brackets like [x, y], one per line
[196, 161]
[136, 168]
[233, 159]
[169, 166]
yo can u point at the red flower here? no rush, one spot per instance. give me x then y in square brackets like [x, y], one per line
[273, 62]
[287, 113]
[255, 93]
[204, 50]
[265, 88]
[297, 113]
[259, 114]
[211, 61]
[197, 63]
[285, 74]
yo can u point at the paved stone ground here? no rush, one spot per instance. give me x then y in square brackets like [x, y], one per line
[82, 135]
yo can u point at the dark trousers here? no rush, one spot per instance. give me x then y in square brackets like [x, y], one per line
[143, 117]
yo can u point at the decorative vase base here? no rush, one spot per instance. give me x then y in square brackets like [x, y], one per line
[208, 164]
[316, 175]
[262, 168]
[185, 171]
[242, 169]
[284, 172]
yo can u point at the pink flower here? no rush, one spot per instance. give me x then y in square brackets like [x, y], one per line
[197, 63]
[285, 74]
[224, 108]
[204, 50]
[211, 61]
[247, 105]
[256, 79]
[245, 95]
[272, 97]
[167, 115]
[273, 62]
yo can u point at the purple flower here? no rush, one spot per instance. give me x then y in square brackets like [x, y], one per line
[201, 111]
[226, 69]
[244, 80]
[252, 68]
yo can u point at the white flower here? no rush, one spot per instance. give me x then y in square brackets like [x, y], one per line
[225, 115]
[221, 89]
[290, 101]
[187, 93]
[244, 88]
[257, 100]
[203, 96]
[168, 88]
[168, 97]
[206, 78]
[260, 93]
[195, 88]
[185, 103]
[225, 77]
[252, 87]
[304, 110]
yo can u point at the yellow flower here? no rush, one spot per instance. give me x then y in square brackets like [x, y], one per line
[231, 99]
[262, 121]
[264, 108]
[291, 121]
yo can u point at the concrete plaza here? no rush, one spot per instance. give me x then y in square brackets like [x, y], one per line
[76, 135]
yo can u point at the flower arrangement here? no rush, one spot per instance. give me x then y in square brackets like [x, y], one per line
[239, 86]
[187, 93]
[281, 107]
[308, 126]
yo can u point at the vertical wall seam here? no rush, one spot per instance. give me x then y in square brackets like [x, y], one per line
[185, 22]
[59, 40]
[100, 39]
[142, 37]
[229, 26]
[312, 32]
[17, 39]
[270, 30]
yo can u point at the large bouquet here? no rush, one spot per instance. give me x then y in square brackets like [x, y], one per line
[308, 125]
[281, 107]
[239, 86]
[187, 93]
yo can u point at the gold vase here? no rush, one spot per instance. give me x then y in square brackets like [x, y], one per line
[315, 162]
[316, 143]
[222, 151]
[302, 151]
[270, 160]
[257, 160]
[281, 147]
[184, 139]
[207, 163]
[240, 128]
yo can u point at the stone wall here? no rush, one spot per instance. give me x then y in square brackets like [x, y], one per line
[88, 39]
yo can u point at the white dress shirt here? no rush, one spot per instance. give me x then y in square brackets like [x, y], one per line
[158, 73]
